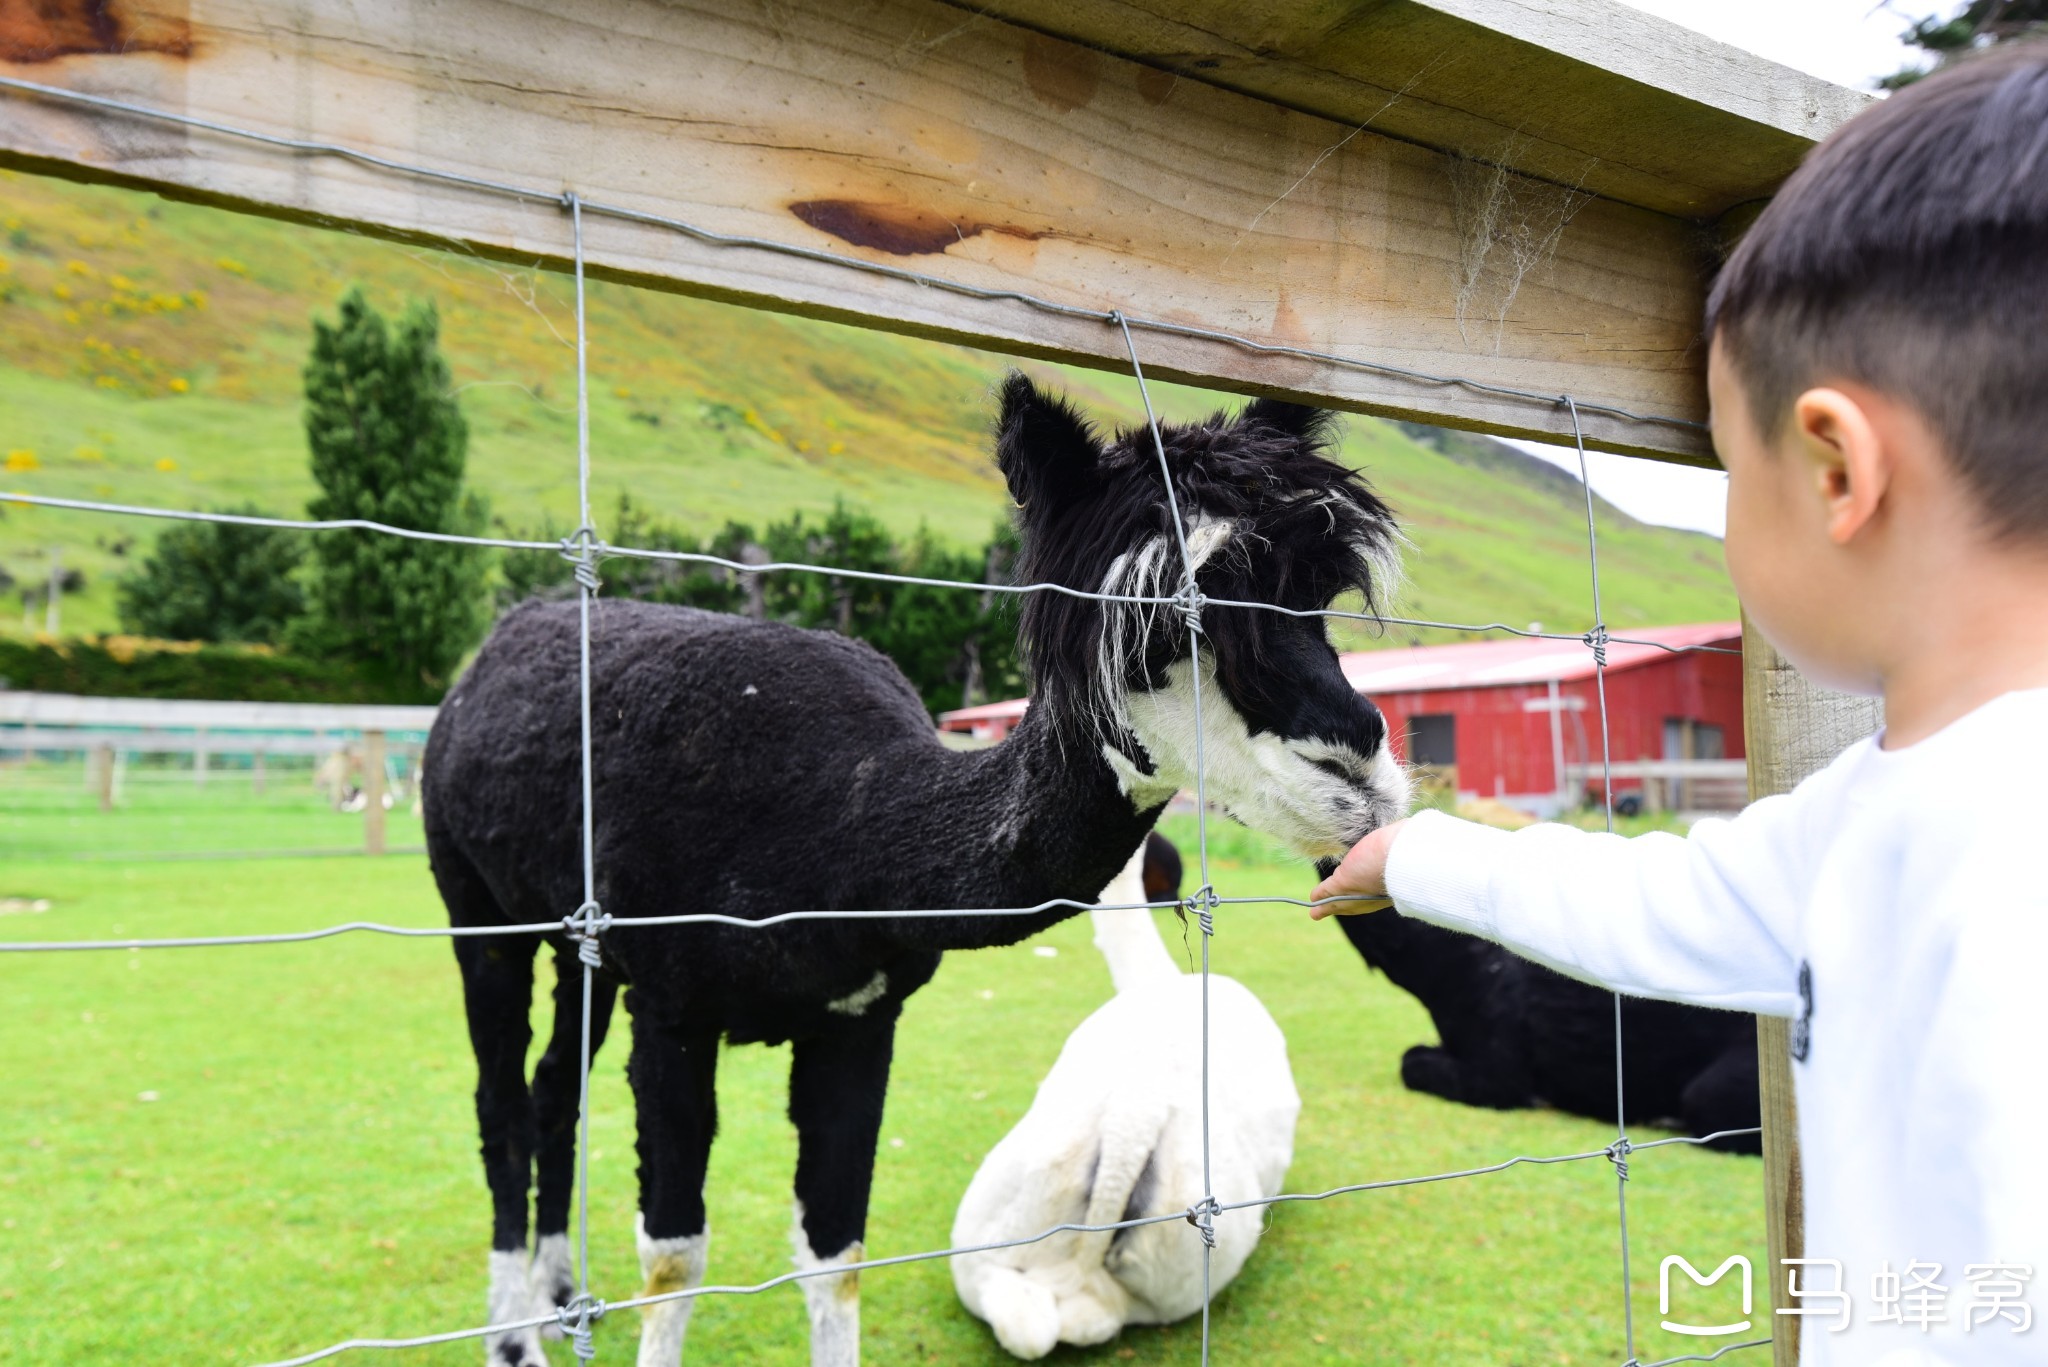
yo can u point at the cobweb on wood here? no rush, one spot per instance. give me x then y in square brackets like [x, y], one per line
[1507, 225]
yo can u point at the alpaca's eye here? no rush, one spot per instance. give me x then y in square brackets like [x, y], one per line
[1332, 766]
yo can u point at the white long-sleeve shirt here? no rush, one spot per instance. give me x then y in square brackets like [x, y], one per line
[1895, 907]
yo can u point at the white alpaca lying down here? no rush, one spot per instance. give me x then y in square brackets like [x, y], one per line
[1115, 1133]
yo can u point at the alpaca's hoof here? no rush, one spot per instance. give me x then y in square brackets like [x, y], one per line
[1024, 1315]
[1085, 1321]
[512, 1300]
[520, 1349]
[550, 1279]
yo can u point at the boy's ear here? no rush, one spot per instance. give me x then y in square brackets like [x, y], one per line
[1048, 452]
[1846, 452]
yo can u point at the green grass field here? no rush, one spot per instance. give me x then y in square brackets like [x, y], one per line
[226, 1156]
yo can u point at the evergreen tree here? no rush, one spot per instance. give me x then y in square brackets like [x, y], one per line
[1973, 25]
[216, 581]
[389, 444]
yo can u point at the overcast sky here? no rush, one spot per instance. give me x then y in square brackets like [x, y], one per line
[1849, 42]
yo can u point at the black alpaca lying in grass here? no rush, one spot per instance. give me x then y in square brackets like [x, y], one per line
[1516, 1034]
[750, 768]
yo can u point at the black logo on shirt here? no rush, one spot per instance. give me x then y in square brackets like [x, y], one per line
[1802, 1028]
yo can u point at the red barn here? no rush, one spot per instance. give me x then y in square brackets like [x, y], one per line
[1518, 720]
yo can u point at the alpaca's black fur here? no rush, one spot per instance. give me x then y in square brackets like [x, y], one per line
[1516, 1034]
[750, 768]
[1307, 531]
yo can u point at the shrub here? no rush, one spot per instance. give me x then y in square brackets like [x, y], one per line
[216, 581]
[127, 666]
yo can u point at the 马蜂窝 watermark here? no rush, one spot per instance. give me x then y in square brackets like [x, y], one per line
[1916, 1298]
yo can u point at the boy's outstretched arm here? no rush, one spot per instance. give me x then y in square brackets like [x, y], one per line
[1705, 918]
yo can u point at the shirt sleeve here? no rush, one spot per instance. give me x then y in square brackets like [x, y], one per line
[1708, 918]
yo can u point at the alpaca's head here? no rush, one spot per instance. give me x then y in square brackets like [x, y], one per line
[1290, 747]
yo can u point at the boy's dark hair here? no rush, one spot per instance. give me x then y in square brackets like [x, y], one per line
[1910, 253]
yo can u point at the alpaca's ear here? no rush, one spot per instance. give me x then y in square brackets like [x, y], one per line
[1047, 451]
[1315, 427]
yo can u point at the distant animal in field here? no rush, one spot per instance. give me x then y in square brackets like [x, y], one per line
[749, 768]
[1115, 1133]
[1516, 1034]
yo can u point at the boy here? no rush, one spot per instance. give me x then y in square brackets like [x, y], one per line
[1878, 372]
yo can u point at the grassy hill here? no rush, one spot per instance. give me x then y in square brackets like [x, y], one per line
[150, 353]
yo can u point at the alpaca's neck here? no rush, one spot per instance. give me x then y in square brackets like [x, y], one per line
[1126, 934]
[1023, 822]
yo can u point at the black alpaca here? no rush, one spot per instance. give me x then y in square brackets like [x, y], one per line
[751, 768]
[1516, 1034]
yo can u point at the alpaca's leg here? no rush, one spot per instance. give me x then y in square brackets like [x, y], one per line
[1439, 1072]
[837, 1084]
[674, 1075]
[1093, 1304]
[557, 1088]
[497, 990]
[1023, 1312]
[1426, 1068]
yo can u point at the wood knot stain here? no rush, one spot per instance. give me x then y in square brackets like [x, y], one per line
[34, 31]
[898, 229]
[1155, 85]
[1062, 74]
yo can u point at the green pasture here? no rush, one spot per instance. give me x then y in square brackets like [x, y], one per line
[47, 812]
[150, 353]
[234, 1155]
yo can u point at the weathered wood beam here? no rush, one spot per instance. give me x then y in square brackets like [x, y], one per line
[1583, 92]
[906, 134]
[1790, 729]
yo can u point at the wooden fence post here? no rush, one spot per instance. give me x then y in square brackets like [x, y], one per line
[103, 775]
[373, 792]
[1791, 729]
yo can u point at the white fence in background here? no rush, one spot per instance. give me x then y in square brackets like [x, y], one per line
[373, 742]
[1680, 785]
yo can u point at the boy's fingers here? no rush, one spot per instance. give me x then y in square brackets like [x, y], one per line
[1352, 905]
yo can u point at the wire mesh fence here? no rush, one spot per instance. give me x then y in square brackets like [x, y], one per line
[586, 924]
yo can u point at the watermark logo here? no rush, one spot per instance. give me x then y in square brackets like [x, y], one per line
[1735, 1260]
[1814, 1299]
[1914, 1299]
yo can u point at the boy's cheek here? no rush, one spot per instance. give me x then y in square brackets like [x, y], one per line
[1741, 543]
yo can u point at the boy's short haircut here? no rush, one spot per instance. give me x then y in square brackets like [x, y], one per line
[1910, 254]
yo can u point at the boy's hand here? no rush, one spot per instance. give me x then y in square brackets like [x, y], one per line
[1363, 874]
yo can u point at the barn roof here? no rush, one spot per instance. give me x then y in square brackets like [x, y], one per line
[961, 718]
[1465, 664]
[1494, 664]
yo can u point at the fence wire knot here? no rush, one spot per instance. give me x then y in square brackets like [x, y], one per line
[1190, 601]
[581, 549]
[1203, 903]
[1596, 641]
[578, 1319]
[584, 925]
[1202, 1215]
[1617, 1154]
